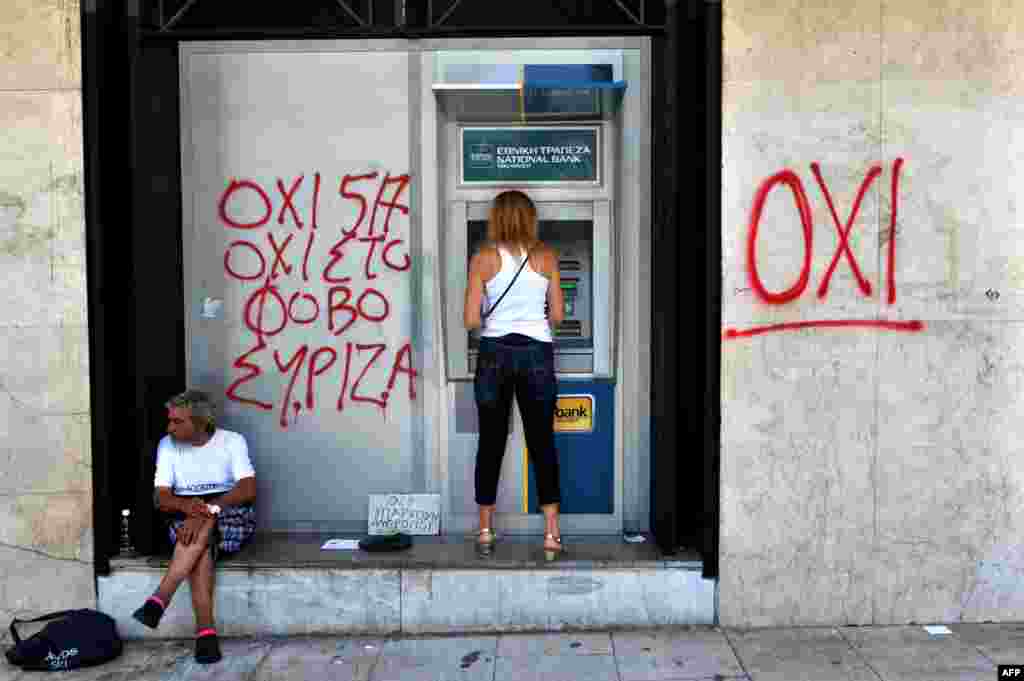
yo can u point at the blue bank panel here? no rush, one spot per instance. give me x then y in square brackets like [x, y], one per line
[586, 458]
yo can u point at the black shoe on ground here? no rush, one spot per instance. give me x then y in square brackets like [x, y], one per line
[149, 614]
[207, 649]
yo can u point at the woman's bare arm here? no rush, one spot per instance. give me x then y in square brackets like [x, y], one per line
[474, 291]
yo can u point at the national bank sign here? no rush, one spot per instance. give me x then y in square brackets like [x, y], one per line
[530, 155]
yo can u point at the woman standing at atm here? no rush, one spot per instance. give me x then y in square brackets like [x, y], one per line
[517, 275]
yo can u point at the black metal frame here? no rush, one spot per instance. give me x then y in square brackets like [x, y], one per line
[93, 69]
[666, 463]
[712, 422]
[133, 216]
[167, 23]
[410, 19]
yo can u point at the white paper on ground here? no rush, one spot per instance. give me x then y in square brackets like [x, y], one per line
[937, 629]
[340, 545]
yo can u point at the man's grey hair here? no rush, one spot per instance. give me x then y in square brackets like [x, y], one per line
[204, 412]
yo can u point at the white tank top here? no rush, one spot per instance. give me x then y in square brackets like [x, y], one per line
[522, 308]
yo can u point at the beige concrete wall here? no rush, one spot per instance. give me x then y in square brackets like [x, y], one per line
[45, 476]
[874, 475]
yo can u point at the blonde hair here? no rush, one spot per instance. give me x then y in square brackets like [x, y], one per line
[512, 220]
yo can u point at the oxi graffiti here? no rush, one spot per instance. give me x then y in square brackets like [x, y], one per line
[344, 307]
[791, 180]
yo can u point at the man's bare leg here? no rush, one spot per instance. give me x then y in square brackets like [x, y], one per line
[184, 561]
[201, 582]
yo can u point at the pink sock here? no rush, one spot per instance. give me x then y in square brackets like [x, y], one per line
[209, 631]
[156, 599]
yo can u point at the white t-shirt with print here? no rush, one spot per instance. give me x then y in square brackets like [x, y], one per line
[211, 469]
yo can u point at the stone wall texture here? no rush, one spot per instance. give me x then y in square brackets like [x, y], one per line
[45, 461]
[873, 475]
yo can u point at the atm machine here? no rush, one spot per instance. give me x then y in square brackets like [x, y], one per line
[558, 139]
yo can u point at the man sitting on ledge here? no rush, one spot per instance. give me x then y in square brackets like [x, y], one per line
[206, 483]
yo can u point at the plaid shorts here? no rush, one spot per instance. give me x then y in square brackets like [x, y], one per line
[235, 527]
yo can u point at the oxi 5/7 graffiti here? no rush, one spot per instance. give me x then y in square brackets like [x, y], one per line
[796, 186]
[268, 311]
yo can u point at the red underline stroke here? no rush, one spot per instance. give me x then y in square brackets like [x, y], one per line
[910, 326]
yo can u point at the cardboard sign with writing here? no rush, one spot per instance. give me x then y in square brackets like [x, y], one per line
[409, 513]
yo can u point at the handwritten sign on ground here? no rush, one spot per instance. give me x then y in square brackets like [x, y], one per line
[409, 513]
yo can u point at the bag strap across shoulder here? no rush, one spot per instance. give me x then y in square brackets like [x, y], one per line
[43, 618]
[526, 259]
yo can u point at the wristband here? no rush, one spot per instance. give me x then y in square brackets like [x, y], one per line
[213, 508]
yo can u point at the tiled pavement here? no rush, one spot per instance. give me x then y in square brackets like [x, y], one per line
[906, 653]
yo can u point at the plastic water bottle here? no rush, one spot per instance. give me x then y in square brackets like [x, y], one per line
[126, 548]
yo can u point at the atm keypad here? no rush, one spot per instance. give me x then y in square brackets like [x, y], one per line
[570, 292]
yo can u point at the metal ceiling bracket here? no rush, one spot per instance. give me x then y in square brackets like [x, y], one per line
[177, 17]
[629, 13]
[444, 17]
[351, 12]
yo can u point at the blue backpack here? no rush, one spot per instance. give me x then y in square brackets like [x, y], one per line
[76, 638]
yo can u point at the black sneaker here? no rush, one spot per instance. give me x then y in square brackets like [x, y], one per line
[149, 614]
[207, 649]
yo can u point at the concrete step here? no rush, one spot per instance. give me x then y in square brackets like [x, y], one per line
[284, 585]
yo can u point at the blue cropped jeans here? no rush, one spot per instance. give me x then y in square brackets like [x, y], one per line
[524, 367]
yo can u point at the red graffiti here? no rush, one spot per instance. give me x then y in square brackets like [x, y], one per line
[233, 187]
[354, 312]
[260, 296]
[254, 371]
[914, 325]
[337, 252]
[281, 302]
[332, 307]
[293, 365]
[233, 272]
[288, 204]
[314, 372]
[298, 295]
[399, 368]
[305, 256]
[316, 197]
[844, 234]
[383, 301]
[378, 350]
[359, 198]
[344, 377]
[392, 204]
[387, 249]
[892, 229]
[279, 254]
[373, 241]
[792, 180]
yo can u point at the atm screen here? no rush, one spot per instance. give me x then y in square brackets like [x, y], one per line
[573, 239]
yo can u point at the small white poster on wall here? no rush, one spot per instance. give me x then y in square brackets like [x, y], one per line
[417, 514]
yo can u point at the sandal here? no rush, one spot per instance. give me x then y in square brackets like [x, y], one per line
[552, 552]
[485, 540]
